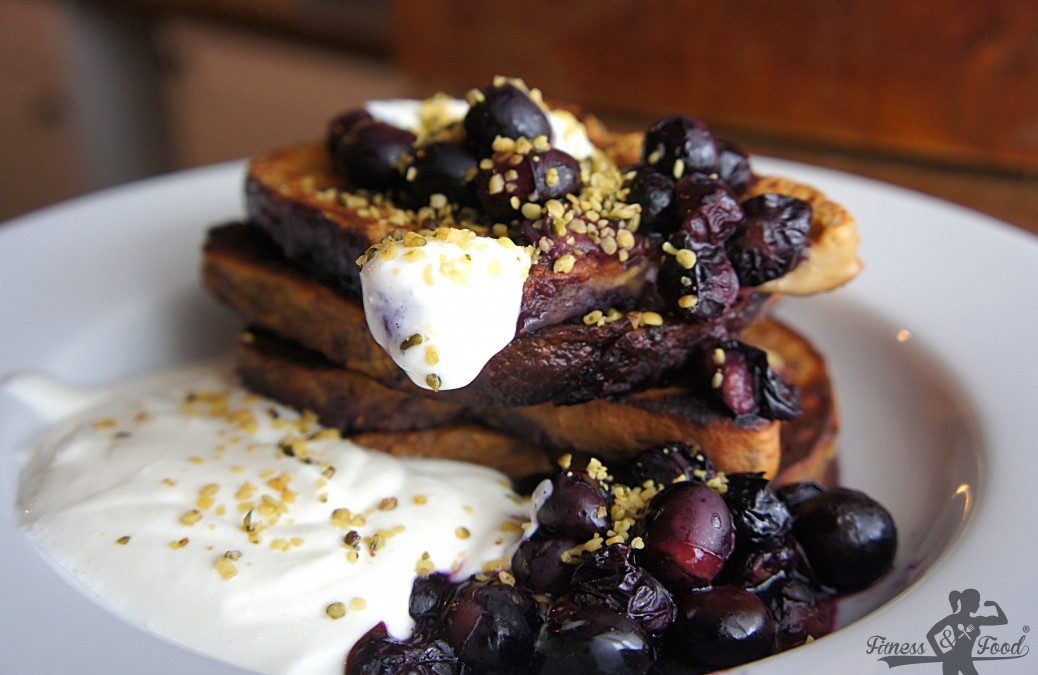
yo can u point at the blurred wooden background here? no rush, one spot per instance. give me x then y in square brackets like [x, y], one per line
[940, 97]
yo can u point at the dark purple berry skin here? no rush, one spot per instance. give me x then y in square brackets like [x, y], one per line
[611, 578]
[707, 209]
[378, 654]
[442, 167]
[689, 535]
[711, 280]
[796, 495]
[744, 383]
[666, 464]
[654, 192]
[343, 124]
[680, 138]
[537, 563]
[368, 156]
[429, 597]
[760, 517]
[772, 240]
[733, 167]
[759, 568]
[492, 626]
[498, 188]
[577, 506]
[722, 627]
[505, 111]
[849, 538]
[801, 610]
[591, 639]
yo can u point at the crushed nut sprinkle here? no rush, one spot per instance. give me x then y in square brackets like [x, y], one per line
[687, 301]
[123, 540]
[179, 543]
[424, 567]
[358, 604]
[686, 258]
[191, 517]
[462, 533]
[335, 610]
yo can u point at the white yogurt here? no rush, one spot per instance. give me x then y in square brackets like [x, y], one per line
[142, 468]
[413, 114]
[441, 310]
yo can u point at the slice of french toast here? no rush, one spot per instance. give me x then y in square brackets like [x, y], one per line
[564, 363]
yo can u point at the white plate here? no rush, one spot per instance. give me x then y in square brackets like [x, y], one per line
[938, 427]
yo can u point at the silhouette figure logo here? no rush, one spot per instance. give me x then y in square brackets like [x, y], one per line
[957, 641]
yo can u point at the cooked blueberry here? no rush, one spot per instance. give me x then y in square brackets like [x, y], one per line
[368, 156]
[733, 167]
[443, 167]
[343, 124]
[801, 610]
[590, 640]
[668, 463]
[610, 577]
[759, 568]
[849, 538]
[680, 145]
[772, 240]
[515, 179]
[537, 563]
[740, 378]
[796, 495]
[707, 209]
[760, 517]
[722, 627]
[378, 654]
[429, 596]
[689, 535]
[505, 110]
[696, 280]
[576, 506]
[654, 192]
[492, 626]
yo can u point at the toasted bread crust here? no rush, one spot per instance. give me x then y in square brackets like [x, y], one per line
[565, 363]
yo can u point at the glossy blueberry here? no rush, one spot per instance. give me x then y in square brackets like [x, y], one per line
[733, 167]
[368, 156]
[443, 167]
[376, 653]
[537, 563]
[702, 292]
[343, 124]
[707, 209]
[760, 517]
[654, 192]
[849, 538]
[429, 597]
[591, 639]
[758, 568]
[505, 110]
[492, 626]
[739, 377]
[680, 138]
[722, 627]
[515, 179]
[610, 577]
[576, 506]
[772, 240]
[801, 609]
[689, 535]
[797, 494]
[666, 464]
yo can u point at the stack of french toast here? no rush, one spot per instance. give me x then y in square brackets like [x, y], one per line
[647, 264]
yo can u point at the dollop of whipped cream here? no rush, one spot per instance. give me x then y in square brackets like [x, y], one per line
[443, 304]
[421, 116]
[240, 528]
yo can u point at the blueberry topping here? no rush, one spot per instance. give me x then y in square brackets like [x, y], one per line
[796, 495]
[802, 610]
[733, 167]
[442, 167]
[760, 517]
[666, 464]
[696, 280]
[689, 535]
[504, 110]
[537, 563]
[343, 125]
[492, 626]
[680, 145]
[514, 179]
[379, 654]
[368, 156]
[707, 209]
[654, 192]
[849, 538]
[772, 240]
[723, 627]
[740, 378]
[611, 578]
[429, 597]
[577, 506]
[591, 639]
